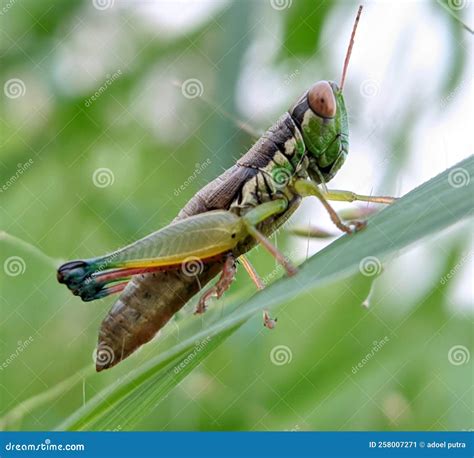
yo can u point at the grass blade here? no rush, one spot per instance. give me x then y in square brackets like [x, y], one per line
[430, 208]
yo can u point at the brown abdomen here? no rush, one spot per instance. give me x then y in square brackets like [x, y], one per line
[145, 306]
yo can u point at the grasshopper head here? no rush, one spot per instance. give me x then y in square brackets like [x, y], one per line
[322, 117]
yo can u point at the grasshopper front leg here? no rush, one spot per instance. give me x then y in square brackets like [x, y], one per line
[349, 196]
[307, 188]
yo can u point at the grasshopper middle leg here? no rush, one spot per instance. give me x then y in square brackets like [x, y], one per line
[349, 196]
[259, 214]
[308, 188]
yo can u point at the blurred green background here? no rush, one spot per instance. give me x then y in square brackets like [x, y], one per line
[114, 113]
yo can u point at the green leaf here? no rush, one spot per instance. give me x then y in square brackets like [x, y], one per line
[430, 208]
[303, 25]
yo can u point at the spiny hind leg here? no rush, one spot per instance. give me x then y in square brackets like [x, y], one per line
[225, 280]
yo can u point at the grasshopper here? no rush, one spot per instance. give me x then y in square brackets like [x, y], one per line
[241, 208]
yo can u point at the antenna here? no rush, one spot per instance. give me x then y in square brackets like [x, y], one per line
[349, 49]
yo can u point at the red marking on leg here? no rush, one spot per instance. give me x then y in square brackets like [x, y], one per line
[116, 274]
[119, 287]
[107, 277]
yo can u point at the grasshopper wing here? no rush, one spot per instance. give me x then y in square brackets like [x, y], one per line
[198, 237]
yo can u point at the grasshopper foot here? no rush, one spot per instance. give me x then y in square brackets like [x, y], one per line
[358, 225]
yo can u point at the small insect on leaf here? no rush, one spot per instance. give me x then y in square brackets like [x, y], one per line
[269, 322]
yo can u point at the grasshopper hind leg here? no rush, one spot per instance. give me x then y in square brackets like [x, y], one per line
[225, 280]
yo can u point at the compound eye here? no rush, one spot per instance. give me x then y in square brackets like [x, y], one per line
[321, 100]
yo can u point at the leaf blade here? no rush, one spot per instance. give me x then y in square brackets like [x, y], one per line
[430, 208]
